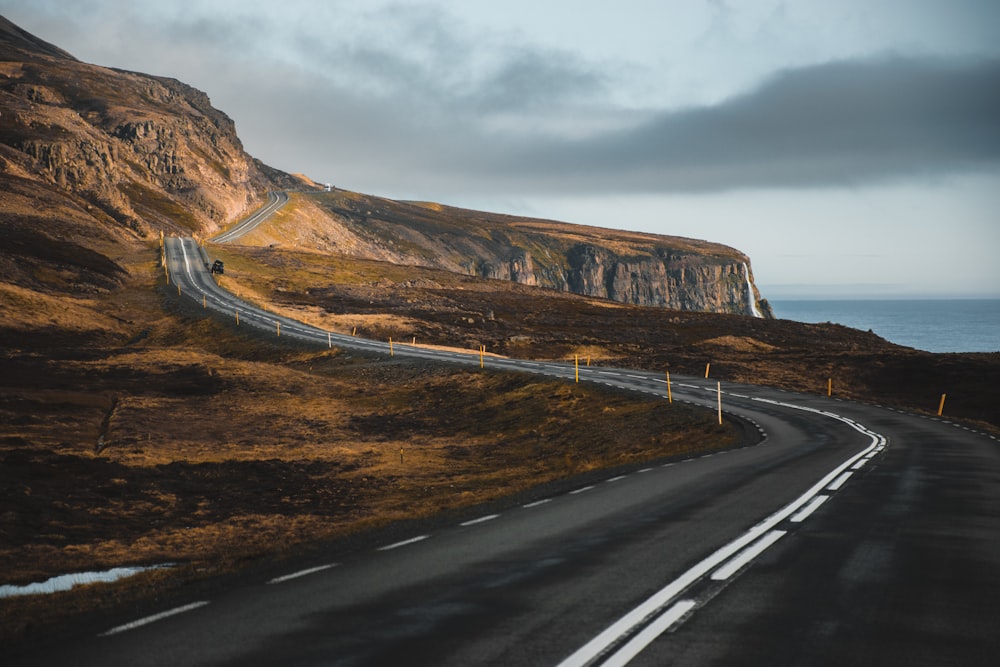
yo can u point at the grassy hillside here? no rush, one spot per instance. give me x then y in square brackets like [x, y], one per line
[629, 267]
[436, 235]
[439, 307]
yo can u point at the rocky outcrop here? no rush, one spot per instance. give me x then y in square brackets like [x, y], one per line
[662, 278]
[147, 152]
[516, 266]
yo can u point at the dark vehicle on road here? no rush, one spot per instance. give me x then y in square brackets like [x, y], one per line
[217, 267]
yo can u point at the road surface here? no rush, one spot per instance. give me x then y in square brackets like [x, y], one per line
[850, 533]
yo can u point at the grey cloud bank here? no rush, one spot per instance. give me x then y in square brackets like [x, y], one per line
[847, 123]
[839, 124]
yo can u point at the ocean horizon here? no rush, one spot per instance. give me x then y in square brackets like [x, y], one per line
[933, 325]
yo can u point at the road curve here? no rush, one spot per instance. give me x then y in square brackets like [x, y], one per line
[850, 532]
[275, 200]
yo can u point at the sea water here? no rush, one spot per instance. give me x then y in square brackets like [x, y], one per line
[934, 325]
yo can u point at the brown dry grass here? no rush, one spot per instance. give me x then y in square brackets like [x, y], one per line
[172, 436]
[160, 454]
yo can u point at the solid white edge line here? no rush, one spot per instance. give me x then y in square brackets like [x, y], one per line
[301, 573]
[152, 619]
[482, 519]
[403, 543]
[636, 645]
[747, 555]
[804, 513]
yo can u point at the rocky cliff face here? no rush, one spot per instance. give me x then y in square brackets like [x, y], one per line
[641, 269]
[145, 151]
[674, 280]
[661, 278]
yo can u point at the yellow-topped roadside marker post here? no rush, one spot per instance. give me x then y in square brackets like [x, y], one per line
[670, 398]
[719, 393]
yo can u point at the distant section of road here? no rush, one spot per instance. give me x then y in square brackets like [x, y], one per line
[275, 200]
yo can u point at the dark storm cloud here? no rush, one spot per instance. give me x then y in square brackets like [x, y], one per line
[845, 123]
[838, 124]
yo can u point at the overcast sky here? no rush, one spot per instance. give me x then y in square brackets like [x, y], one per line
[851, 148]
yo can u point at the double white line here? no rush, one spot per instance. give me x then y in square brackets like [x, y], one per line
[661, 610]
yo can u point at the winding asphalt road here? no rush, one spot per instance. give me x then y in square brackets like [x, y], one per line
[275, 200]
[849, 533]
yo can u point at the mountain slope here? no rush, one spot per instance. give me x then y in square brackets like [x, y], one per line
[93, 161]
[136, 150]
[628, 267]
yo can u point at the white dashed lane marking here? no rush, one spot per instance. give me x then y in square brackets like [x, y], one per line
[744, 557]
[482, 519]
[152, 619]
[403, 543]
[804, 513]
[839, 482]
[302, 573]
